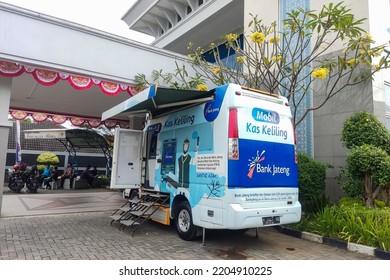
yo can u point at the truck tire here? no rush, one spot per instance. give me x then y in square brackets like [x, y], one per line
[183, 222]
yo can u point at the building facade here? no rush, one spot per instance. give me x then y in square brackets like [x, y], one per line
[175, 23]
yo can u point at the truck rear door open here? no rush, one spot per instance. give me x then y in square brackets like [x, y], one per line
[127, 161]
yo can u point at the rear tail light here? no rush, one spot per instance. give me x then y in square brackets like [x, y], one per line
[233, 135]
[295, 142]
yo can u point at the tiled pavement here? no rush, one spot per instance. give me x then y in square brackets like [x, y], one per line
[67, 232]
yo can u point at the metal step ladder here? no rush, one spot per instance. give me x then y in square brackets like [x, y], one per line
[137, 211]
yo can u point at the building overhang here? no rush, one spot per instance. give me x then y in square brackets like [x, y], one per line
[174, 27]
[75, 50]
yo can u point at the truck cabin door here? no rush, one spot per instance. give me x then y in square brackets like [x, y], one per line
[151, 153]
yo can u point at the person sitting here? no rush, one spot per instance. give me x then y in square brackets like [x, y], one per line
[86, 175]
[53, 177]
[46, 174]
[94, 171]
[68, 174]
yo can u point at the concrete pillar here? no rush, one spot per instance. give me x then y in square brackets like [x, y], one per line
[5, 96]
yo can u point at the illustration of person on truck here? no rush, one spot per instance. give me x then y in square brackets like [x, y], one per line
[184, 162]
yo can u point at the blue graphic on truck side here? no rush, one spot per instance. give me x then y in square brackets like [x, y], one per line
[212, 108]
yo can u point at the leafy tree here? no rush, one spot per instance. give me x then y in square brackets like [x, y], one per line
[371, 164]
[48, 158]
[365, 128]
[368, 163]
[288, 59]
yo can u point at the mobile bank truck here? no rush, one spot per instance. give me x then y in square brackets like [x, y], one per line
[224, 159]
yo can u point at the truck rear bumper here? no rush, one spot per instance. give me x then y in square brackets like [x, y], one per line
[239, 218]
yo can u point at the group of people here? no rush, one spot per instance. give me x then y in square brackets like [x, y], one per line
[48, 175]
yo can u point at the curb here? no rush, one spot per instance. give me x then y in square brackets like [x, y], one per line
[362, 249]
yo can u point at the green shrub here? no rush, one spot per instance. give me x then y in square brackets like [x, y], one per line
[368, 163]
[354, 188]
[103, 180]
[311, 180]
[48, 158]
[368, 159]
[371, 165]
[365, 128]
[346, 202]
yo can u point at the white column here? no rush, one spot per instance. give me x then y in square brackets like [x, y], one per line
[5, 96]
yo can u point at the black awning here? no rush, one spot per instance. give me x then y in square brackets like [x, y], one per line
[159, 100]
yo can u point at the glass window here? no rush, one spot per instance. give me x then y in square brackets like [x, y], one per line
[227, 56]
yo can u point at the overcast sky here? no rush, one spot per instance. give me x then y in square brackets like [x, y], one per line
[100, 14]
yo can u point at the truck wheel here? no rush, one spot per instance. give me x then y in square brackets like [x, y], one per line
[183, 221]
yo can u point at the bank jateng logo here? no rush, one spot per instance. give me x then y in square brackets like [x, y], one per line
[254, 161]
[255, 165]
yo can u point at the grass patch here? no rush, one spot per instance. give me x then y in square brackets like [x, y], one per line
[352, 222]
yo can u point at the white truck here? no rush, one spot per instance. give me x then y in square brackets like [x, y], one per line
[226, 158]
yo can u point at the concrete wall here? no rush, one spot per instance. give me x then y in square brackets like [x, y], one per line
[267, 11]
[328, 124]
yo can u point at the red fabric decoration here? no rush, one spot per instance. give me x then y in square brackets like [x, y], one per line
[77, 121]
[10, 69]
[110, 123]
[94, 123]
[110, 88]
[39, 117]
[57, 119]
[79, 82]
[45, 77]
[19, 115]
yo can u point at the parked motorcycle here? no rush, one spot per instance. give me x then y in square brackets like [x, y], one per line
[21, 176]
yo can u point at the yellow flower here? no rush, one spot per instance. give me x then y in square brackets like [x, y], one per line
[351, 62]
[375, 66]
[320, 73]
[257, 37]
[240, 59]
[274, 40]
[202, 87]
[216, 70]
[231, 37]
[367, 36]
[276, 57]
[192, 56]
[378, 51]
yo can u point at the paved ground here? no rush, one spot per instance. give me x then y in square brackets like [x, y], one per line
[57, 226]
[48, 202]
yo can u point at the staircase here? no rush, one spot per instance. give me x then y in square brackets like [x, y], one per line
[150, 205]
